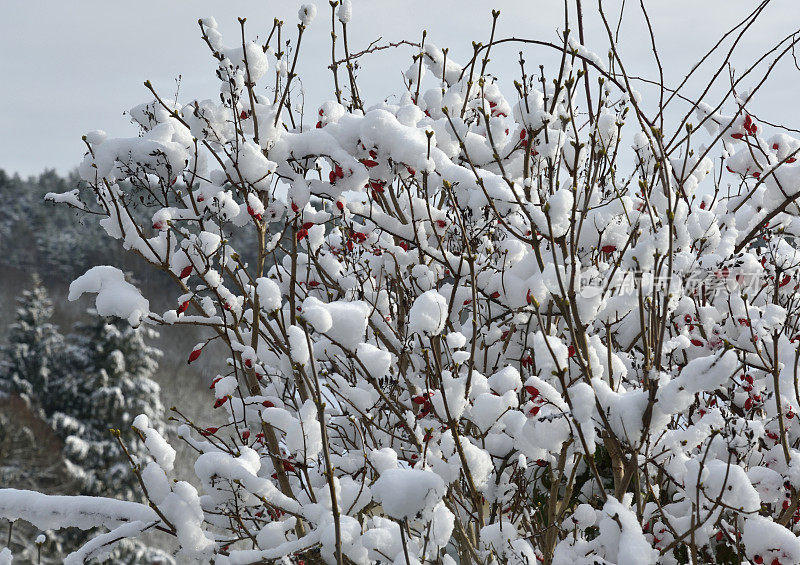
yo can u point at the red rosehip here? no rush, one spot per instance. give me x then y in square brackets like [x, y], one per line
[532, 390]
[195, 354]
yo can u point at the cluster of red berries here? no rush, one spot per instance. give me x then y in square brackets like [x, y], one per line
[424, 400]
[536, 399]
[749, 126]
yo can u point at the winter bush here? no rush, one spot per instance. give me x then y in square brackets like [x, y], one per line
[553, 324]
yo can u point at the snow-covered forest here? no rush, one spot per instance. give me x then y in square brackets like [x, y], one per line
[53, 429]
[549, 318]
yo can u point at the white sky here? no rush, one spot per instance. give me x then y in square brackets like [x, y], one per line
[73, 66]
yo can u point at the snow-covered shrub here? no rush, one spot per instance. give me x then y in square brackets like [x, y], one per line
[539, 325]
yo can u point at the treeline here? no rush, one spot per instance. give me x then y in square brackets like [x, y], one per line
[61, 243]
[56, 241]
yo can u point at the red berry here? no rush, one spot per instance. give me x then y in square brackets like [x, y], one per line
[340, 205]
[246, 435]
[195, 354]
[696, 342]
[532, 390]
[243, 115]
[220, 401]
[737, 135]
[186, 272]
[571, 351]
[495, 294]
[267, 404]
[295, 207]
[369, 163]
[182, 308]
[608, 248]
[209, 431]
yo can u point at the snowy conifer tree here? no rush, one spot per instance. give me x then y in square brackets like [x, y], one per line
[105, 382]
[33, 347]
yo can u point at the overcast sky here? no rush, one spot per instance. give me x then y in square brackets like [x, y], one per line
[73, 66]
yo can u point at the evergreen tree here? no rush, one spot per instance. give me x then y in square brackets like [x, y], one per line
[33, 349]
[100, 377]
[107, 381]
